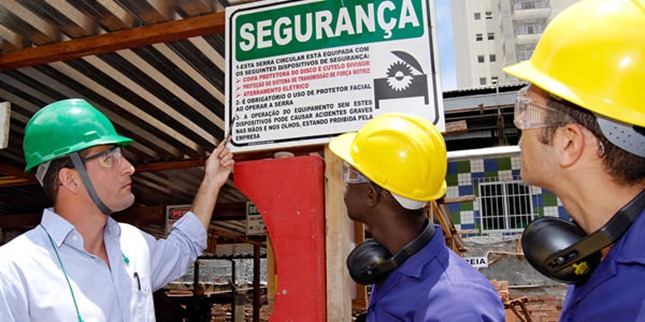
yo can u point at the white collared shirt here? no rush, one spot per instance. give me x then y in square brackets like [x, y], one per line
[33, 286]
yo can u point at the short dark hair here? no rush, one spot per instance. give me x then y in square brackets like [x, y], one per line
[626, 168]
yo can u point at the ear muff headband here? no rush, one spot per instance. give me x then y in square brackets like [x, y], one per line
[370, 261]
[561, 251]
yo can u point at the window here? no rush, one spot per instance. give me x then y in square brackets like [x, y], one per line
[505, 206]
[492, 58]
[524, 52]
[482, 81]
[530, 4]
[479, 37]
[480, 58]
[491, 36]
[524, 55]
[489, 15]
[478, 15]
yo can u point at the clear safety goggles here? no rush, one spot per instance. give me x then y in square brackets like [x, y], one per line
[530, 114]
[108, 158]
[352, 176]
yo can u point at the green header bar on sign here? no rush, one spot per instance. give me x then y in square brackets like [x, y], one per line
[325, 24]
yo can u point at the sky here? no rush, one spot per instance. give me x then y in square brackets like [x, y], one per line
[446, 45]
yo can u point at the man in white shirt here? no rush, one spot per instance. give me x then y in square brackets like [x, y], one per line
[79, 263]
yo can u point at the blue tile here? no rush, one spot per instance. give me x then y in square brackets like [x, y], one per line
[465, 190]
[453, 207]
[467, 226]
[562, 214]
[452, 167]
[476, 177]
[537, 201]
[490, 165]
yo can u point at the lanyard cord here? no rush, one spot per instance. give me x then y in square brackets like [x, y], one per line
[64, 272]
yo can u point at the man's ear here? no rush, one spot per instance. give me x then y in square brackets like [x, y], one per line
[67, 179]
[372, 193]
[571, 144]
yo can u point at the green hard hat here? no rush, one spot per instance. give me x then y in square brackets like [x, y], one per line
[66, 126]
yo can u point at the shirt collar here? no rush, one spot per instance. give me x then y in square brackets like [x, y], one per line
[112, 228]
[414, 265]
[60, 229]
[629, 248]
[56, 226]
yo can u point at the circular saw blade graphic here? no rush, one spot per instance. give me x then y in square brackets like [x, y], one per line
[399, 76]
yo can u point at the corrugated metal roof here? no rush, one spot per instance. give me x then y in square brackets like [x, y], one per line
[166, 95]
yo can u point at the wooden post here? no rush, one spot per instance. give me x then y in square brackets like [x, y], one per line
[338, 241]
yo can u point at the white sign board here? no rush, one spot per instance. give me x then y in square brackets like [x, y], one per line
[298, 73]
[254, 223]
[481, 262]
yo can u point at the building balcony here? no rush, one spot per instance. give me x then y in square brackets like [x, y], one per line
[531, 14]
[527, 39]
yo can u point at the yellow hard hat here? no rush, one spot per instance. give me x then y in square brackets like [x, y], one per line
[593, 54]
[404, 154]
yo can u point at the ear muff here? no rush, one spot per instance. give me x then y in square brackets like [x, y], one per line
[370, 261]
[562, 251]
[547, 236]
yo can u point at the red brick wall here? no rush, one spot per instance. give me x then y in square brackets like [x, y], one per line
[540, 308]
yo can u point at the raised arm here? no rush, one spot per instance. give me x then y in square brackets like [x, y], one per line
[218, 168]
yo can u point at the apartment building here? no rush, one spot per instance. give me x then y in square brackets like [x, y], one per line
[491, 34]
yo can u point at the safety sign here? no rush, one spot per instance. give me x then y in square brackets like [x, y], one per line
[299, 73]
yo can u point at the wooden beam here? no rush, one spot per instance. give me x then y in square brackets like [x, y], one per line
[235, 237]
[16, 172]
[135, 215]
[20, 220]
[239, 156]
[144, 215]
[113, 41]
[28, 178]
[459, 199]
[10, 181]
[456, 127]
[171, 165]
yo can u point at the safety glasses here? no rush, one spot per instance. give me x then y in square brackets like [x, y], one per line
[530, 114]
[352, 176]
[108, 158]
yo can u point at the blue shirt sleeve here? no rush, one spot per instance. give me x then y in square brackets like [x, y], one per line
[171, 258]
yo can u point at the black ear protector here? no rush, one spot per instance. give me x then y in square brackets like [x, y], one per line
[562, 251]
[370, 261]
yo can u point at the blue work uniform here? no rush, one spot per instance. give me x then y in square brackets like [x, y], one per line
[435, 284]
[34, 287]
[616, 289]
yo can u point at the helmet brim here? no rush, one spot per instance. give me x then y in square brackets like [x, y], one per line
[341, 146]
[526, 71]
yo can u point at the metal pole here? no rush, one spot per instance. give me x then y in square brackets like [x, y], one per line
[256, 283]
[195, 276]
[500, 118]
[233, 290]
